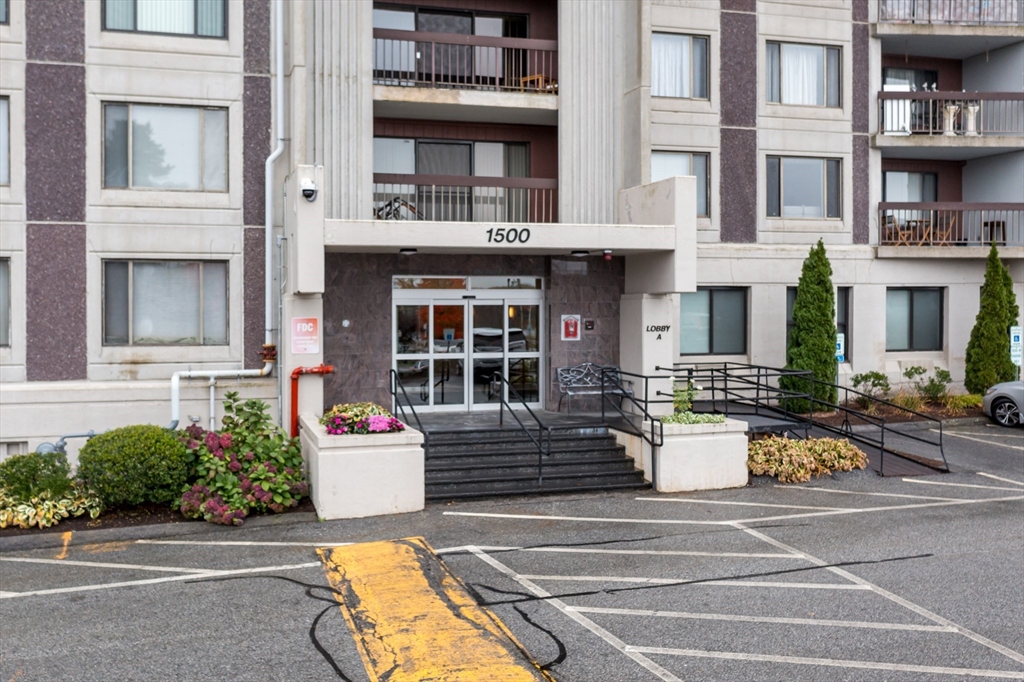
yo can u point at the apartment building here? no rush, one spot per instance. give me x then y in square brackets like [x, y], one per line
[470, 187]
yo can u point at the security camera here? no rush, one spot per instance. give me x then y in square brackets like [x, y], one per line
[308, 189]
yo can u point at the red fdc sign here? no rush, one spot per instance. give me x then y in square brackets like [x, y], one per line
[305, 335]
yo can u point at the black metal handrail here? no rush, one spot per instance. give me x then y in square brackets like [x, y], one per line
[757, 377]
[396, 386]
[609, 381]
[542, 428]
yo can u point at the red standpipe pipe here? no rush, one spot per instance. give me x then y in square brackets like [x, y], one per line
[296, 373]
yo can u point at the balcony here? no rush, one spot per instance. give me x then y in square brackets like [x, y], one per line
[459, 198]
[976, 124]
[952, 12]
[949, 224]
[470, 62]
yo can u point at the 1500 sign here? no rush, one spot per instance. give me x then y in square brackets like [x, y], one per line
[509, 235]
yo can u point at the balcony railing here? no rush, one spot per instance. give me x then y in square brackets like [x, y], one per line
[451, 60]
[950, 224]
[965, 12]
[951, 113]
[457, 198]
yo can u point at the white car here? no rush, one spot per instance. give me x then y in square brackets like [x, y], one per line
[1004, 403]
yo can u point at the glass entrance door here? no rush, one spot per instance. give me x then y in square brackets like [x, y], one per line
[448, 352]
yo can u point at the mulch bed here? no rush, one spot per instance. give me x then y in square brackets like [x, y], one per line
[894, 416]
[143, 515]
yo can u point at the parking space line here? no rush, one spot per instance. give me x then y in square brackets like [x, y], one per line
[764, 619]
[97, 564]
[156, 581]
[958, 485]
[1000, 478]
[590, 625]
[658, 552]
[694, 582]
[979, 440]
[737, 504]
[830, 662]
[920, 610]
[597, 519]
[858, 492]
[948, 503]
[241, 543]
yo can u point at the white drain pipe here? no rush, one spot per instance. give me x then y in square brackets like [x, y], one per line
[268, 193]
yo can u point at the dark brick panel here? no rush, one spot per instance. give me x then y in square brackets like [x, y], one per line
[56, 344]
[860, 10]
[257, 36]
[739, 5]
[358, 289]
[55, 142]
[861, 78]
[738, 185]
[256, 121]
[861, 184]
[739, 69]
[254, 267]
[55, 30]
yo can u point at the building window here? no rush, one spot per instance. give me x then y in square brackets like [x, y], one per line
[5, 12]
[900, 186]
[165, 147]
[165, 303]
[913, 319]
[844, 320]
[5, 141]
[679, 66]
[713, 320]
[807, 75]
[790, 300]
[800, 187]
[205, 18]
[669, 164]
[909, 79]
[5, 301]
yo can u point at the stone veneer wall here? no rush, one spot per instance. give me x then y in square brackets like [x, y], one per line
[358, 289]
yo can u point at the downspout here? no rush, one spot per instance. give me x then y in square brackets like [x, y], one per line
[269, 352]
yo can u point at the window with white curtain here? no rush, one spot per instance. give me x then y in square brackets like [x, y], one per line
[913, 319]
[5, 301]
[204, 18]
[803, 187]
[165, 303]
[807, 75]
[679, 66]
[669, 164]
[901, 186]
[165, 147]
[5, 141]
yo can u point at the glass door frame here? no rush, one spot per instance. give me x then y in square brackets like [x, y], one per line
[454, 297]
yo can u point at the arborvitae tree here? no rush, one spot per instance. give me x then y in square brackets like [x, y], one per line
[988, 351]
[812, 339]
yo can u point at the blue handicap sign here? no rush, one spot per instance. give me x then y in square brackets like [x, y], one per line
[840, 358]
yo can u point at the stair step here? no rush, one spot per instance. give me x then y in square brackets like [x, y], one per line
[507, 435]
[488, 461]
[515, 471]
[566, 444]
[550, 485]
[575, 450]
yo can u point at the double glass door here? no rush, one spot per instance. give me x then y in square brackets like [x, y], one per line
[451, 354]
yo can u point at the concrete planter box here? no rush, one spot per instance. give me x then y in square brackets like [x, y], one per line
[694, 456]
[362, 475]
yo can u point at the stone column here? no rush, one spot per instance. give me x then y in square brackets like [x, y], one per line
[645, 343]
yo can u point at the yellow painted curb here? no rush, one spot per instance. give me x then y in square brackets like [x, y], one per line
[414, 621]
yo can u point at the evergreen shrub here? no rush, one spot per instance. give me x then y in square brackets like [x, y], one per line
[133, 465]
[988, 350]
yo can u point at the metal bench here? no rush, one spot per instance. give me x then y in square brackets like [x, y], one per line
[586, 379]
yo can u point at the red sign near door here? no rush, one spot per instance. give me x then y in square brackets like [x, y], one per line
[305, 336]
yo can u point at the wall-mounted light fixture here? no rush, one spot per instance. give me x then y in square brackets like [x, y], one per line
[580, 254]
[607, 254]
[407, 252]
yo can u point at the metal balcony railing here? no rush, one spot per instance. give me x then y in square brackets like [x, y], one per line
[451, 60]
[950, 224]
[456, 198]
[951, 113]
[964, 12]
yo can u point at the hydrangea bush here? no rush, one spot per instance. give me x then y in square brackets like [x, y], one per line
[360, 418]
[250, 465]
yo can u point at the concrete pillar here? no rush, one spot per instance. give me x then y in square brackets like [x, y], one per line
[646, 343]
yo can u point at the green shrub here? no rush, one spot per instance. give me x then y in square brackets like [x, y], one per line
[988, 351]
[874, 384]
[957, 403]
[45, 510]
[250, 465]
[908, 400]
[914, 371]
[133, 465]
[812, 339]
[693, 418]
[28, 476]
[796, 461]
[937, 385]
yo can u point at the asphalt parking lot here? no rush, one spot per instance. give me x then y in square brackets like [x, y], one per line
[852, 578]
